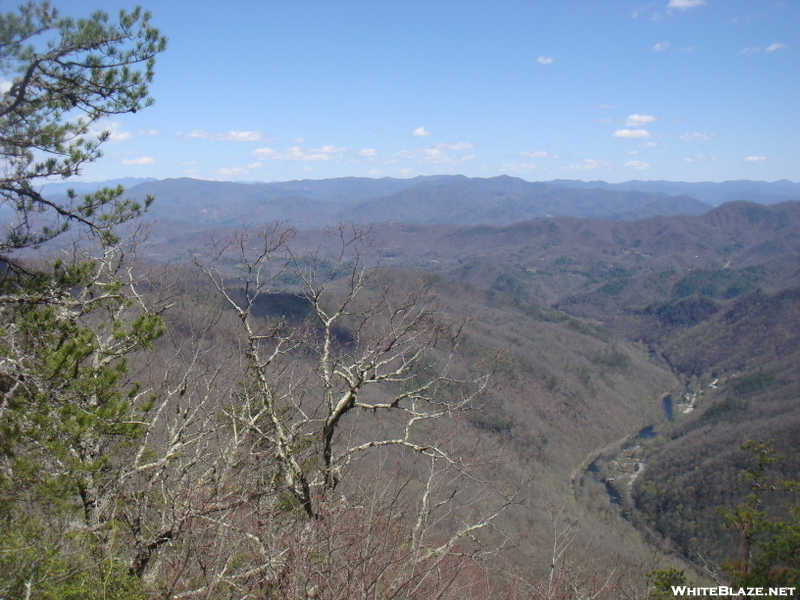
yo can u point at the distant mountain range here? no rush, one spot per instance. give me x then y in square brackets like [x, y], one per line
[597, 324]
[456, 199]
[86, 187]
[763, 192]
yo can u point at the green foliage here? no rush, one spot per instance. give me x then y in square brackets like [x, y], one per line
[612, 359]
[778, 557]
[540, 313]
[65, 571]
[755, 382]
[587, 329]
[67, 412]
[683, 313]
[615, 287]
[728, 410]
[565, 261]
[492, 421]
[511, 284]
[66, 75]
[662, 582]
[718, 283]
[41, 558]
[278, 305]
[770, 546]
[73, 372]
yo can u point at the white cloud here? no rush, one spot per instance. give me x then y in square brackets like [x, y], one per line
[775, 46]
[636, 164]
[143, 160]
[750, 50]
[538, 154]
[701, 157]
[703, 137]
[649, 145]
[457, 146]
[434, 156]
[116, 136]
[326, 153]
[5, 85]
[688, 49]
[428, 154]
[756, 158]
[300, 140]
[437, 154]
[196, 134]
[329, 150]
[115, 133]
[588, 164]
[684, 4]
[227, 136]
[420, 132]
[267, 153]
[232, 171]
[639, 120]
[517, 167]
[368, 152]
[242, 136]
[660, 46]
[545, 60]
[628, 134]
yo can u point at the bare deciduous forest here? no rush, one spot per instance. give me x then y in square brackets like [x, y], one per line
[558, 408]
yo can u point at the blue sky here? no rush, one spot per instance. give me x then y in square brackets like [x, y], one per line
[688, 90]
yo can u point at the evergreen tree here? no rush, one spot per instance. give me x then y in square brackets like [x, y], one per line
[66, 75]
[770, 546]
[66, 408]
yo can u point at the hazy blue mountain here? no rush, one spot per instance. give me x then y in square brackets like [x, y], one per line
[342, 189]
[454, 199]
[763, 192]
[86, 187]
[349, 190]
[502, 201]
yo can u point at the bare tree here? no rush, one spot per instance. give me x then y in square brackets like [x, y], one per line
[338, 375]
[361, 347]
[290, 434]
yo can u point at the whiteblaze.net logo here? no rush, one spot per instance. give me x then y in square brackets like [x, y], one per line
[747, 592]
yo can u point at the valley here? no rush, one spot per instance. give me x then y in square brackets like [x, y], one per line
[627, 358]
[625, 351]
[299, 301]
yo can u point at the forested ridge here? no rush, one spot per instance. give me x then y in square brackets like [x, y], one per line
[556, 408]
